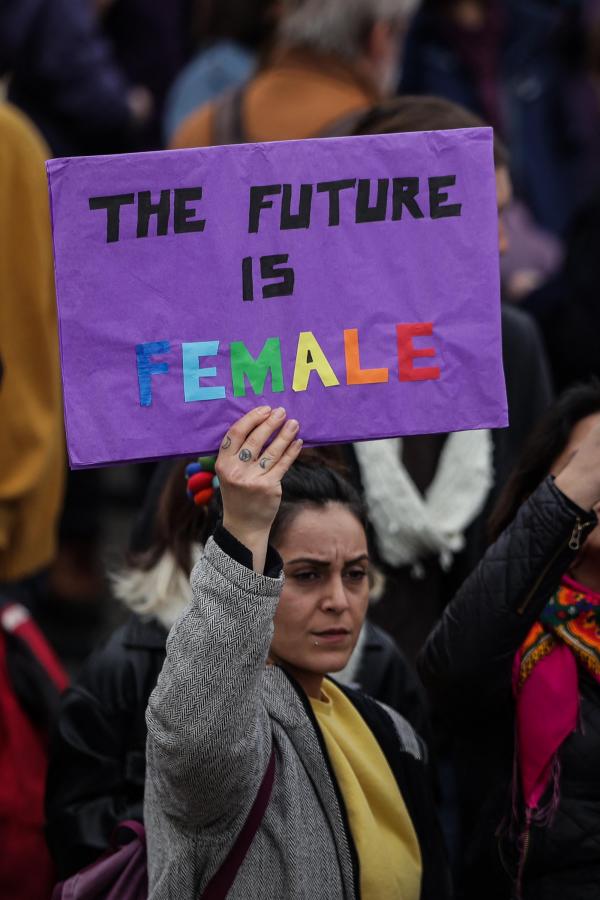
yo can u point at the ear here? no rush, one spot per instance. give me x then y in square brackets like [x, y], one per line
[377, 41]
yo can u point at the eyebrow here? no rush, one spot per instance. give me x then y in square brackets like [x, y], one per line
[324, 563]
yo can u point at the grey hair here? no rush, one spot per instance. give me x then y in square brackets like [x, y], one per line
[338, 26]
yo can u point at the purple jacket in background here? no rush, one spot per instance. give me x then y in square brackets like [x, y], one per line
[64, 76]
[152, 41]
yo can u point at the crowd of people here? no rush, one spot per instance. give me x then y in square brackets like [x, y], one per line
[366, 670]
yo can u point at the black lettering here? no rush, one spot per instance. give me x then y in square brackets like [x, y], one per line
[147, 208]
[258, 202]
[112, 204]
[268, 271]
[301, 219]
[247, 281]
[438, 197]
[366, 213]
[183, 218]
[333, 188]
[404, 191]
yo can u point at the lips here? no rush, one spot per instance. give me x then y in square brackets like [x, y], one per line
[330, 631]
[331, 635]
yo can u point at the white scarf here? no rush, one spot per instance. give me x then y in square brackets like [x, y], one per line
[162, 592]
[410, 527]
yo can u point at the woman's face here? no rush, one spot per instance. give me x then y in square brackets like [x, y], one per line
[326, 593]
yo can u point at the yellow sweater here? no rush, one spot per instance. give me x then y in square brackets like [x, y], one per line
[386, 843]
[31, 429]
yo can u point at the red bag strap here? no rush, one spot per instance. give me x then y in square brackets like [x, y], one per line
[219, 885]
[15, 619]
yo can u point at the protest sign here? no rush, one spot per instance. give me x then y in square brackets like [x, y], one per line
[353, 281]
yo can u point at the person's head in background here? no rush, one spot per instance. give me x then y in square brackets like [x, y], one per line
[422, 113]
[366, 34]
[247, 22]
[552, 443]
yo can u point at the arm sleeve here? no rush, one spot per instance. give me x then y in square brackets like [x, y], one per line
[469, 655]
[209, 736]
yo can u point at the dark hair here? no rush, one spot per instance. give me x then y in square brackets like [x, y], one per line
[311, 483]
[251, 22]
[545, 444]
[423, 113]
[169, 520]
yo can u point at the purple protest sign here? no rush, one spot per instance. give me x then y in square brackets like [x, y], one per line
[352, 280]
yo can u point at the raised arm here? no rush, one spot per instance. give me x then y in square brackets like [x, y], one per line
[470, 652]
[209, 738]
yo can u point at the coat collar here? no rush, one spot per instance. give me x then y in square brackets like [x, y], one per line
[287, 704]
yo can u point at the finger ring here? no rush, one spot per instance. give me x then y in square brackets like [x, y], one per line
[245, 455]
[226, 443]
[265, 462]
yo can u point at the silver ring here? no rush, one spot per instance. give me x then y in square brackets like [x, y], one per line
[245, 455]
[226, 443]
[265, 462]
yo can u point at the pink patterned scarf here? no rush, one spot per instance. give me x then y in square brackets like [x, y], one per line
[546, 687]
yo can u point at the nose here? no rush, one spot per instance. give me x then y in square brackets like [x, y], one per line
[335, 600]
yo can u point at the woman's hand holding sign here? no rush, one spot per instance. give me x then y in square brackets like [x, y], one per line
[250, 475]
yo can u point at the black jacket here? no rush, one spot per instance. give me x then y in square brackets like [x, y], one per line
[97, 756]
[467, 665]
[97, 760]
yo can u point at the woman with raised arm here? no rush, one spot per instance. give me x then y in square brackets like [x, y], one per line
[514, 663]
[265, 779]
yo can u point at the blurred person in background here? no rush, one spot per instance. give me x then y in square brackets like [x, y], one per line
[31, 681]
[330, 58]
[504, 60]
[98, 751]
[151, 41]
[232, 37]
[31, 483]
[63, 75]
[32, 457]
[429, 522]
[514, 668]
[567, 308]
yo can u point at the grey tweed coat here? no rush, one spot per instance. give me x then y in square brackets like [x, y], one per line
[212, 720]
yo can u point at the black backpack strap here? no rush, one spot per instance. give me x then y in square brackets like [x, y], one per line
[228, 125]
[343, 125]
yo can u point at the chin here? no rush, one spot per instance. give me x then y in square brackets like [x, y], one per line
[336, 663]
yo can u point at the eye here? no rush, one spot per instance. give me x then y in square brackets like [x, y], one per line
[306, 576]
[356, 575]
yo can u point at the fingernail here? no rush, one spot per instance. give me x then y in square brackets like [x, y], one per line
[299, 443]
[292, 425]
[263, 410]
[279, 412]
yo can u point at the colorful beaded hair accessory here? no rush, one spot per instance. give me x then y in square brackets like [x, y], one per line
[201, 480]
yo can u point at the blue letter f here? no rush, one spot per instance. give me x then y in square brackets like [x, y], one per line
[146, 367]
